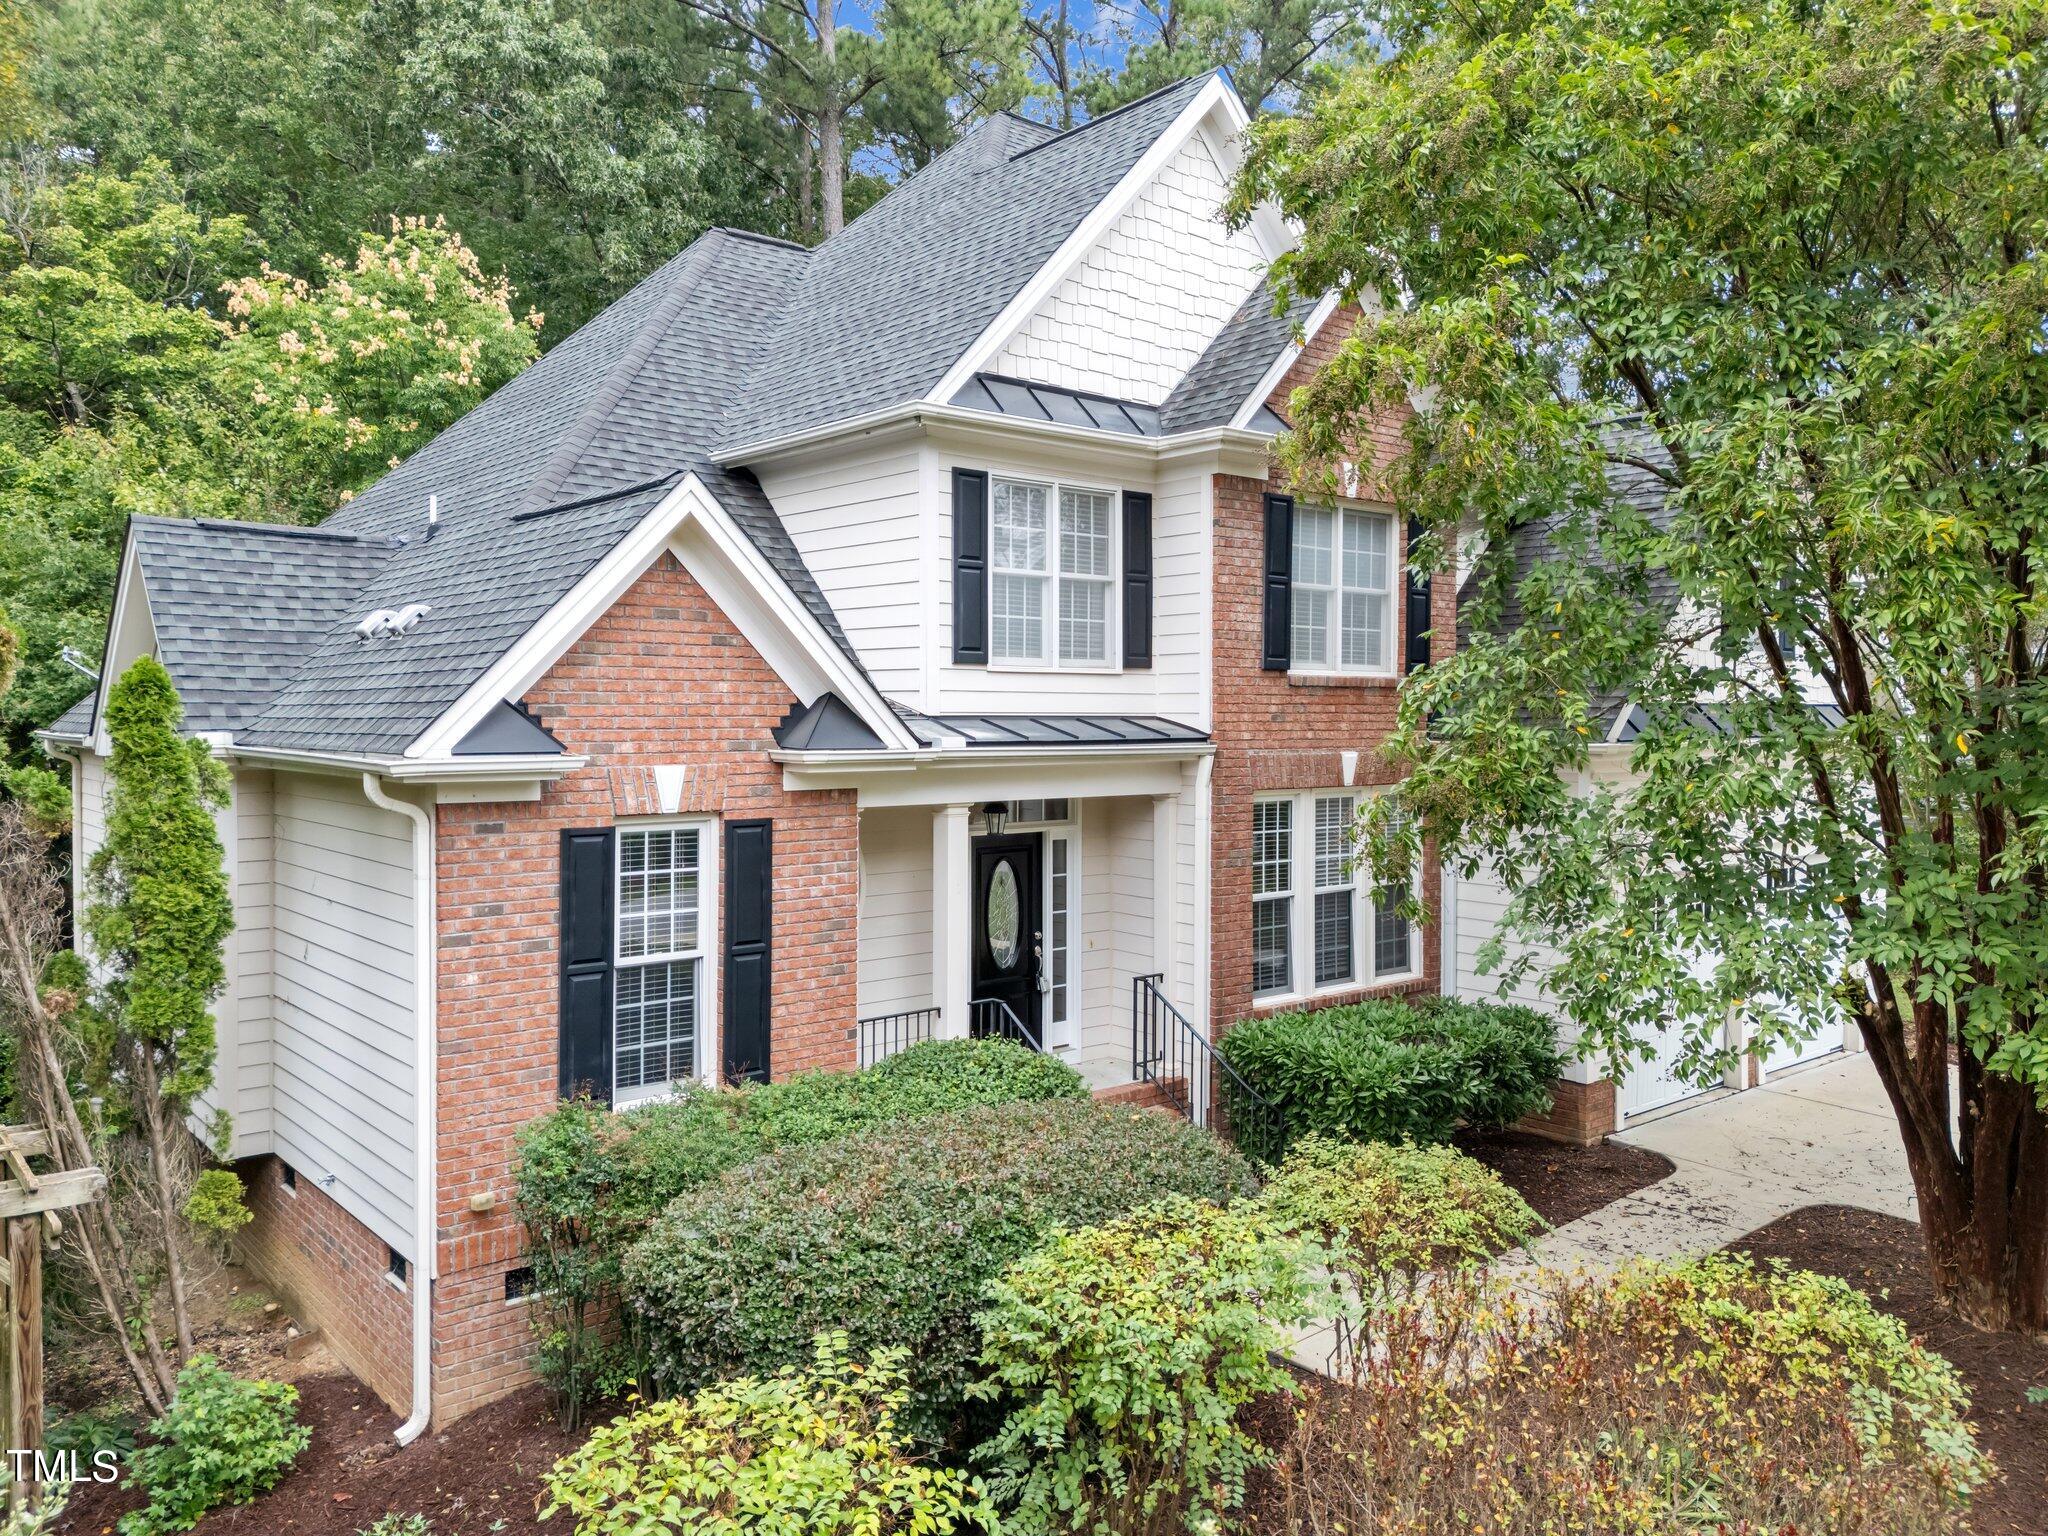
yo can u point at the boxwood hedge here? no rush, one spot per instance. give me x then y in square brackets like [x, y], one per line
[893, 1235]
[1397, 1071]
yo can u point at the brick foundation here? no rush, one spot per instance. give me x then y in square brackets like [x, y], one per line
[1580, 1113]
[663, 678]
[330, 1270]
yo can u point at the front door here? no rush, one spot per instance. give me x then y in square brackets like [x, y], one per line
[1008, 907]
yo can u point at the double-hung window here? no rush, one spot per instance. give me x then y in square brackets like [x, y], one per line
[1052, 591]
[1343, 586]
[1342, 935]
[658, 985]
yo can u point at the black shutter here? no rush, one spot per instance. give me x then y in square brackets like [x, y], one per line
[749, 915]
[1279, 583]
[1418, 604]
[970, 567]
[586, 944]
[1137, 578]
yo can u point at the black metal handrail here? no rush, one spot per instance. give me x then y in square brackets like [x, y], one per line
[1168, 1052]
[887, 1033]
[992, 1018]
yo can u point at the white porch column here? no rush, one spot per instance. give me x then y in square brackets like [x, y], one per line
[952, 912]
[1165, 888]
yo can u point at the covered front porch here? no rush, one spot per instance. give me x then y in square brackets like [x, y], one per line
[1018, 881]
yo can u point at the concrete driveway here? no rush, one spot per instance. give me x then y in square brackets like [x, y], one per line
[1817, 1135]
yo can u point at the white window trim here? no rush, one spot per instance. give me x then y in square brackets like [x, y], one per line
[1069, 832]
[1365, 976]
[1048, 660]
[709, 928]
[1292, 896]
[1333, 627]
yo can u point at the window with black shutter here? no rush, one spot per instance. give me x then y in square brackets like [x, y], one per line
[970, 567]
[1137, 579]
[1279, 583]
[1418, 604]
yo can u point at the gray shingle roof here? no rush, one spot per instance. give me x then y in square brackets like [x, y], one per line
[237, 606]
[1232, 365]
[535, 486]
[75, 724]
[894, 300]
[737, 339]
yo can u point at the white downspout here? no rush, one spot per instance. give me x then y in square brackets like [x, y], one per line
[426, 1193]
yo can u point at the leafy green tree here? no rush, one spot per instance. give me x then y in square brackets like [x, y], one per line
[1784, 259]
[157, 915]
[1270, 47]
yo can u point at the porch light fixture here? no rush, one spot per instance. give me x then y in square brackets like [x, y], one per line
[995, 813]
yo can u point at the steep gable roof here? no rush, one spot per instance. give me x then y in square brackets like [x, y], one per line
[889, 305]
[1224, 376]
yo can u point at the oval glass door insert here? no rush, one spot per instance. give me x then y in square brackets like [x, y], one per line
[1003, 924]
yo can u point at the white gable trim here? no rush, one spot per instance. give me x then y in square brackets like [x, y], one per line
[131, 604]
[770, 617]
[1270, 380]
[1216, 97]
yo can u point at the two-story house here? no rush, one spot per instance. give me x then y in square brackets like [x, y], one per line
[819, 650]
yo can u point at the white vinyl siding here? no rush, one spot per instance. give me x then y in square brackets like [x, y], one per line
[343, 1031]
[1343, 584]
[895, 911]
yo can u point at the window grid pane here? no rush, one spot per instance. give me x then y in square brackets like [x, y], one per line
[1084, 620]
[658, 892]
[1272, 847]
[654, 1017]
[1334, 948]
[1334, 841]
[1018, 539]
[1389, 935]
[1084, 533]
[1272, 926]
[1017, 617]
[1365, 630]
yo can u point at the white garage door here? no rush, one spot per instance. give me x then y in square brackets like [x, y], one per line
[1654, 1082]
[1792, 1053]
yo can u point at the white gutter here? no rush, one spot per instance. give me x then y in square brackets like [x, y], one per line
[425, 1190]
[545, 766]
[885, 761]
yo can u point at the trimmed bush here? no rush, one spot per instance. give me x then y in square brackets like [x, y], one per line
[892, 1236]
[1704, 1396]
[1398, 1209]
[589, 1180]
[1392, 1071]
[221, 1441]
[1124, 1353]
[811, 1451]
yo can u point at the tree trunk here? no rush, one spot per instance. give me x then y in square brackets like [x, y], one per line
[169, 1217]
[831, 127]
[1983, 1198]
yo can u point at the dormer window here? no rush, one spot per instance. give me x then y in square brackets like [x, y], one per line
[1052, 564]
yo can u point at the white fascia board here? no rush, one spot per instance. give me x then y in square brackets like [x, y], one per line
[965, 777]
[1217, 92]
[1270, 380]
[534, 766]
[129, 590]
[548, 640]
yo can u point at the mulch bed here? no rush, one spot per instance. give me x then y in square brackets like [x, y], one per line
[1563, 1183]
[1884, 1257]
[478, 1479]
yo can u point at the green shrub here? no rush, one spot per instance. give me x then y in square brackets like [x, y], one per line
[893, 1234]
[589, 1180]
[1398, 1209]
[1392, 1071]
[808, 1451]
[1124, 1353]
[1709, 1396]
[221, 1441]
[398, 1525]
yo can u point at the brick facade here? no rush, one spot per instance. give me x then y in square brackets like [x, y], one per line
[1277, 731]
[662, 678]
[330, 1270]
[1580, 1113]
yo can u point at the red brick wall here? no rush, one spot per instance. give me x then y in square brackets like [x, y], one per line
[662, 678]
[330, 1270]
[1275, 731]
